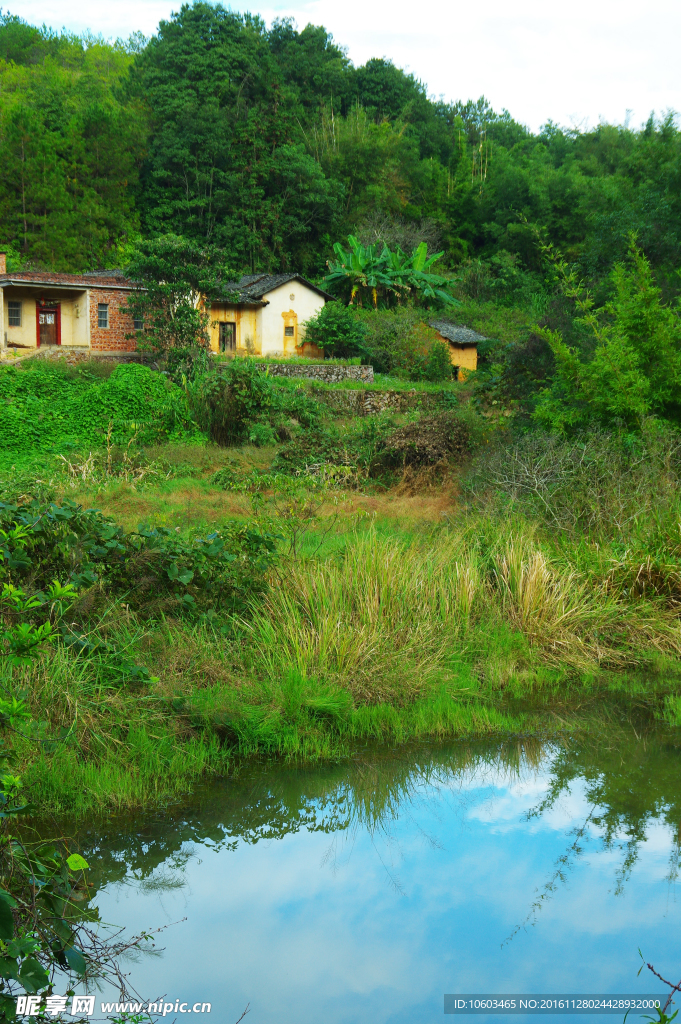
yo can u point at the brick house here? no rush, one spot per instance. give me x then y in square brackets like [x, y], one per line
[82, 312]
[264, 314]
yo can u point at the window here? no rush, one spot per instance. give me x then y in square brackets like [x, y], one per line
[14, 314]
[103, 314]
[138, 323]
[289, 332]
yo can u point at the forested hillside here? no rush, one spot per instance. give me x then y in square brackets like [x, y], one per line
[271, 144]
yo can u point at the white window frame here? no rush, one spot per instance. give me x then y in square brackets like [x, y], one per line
[103, 307]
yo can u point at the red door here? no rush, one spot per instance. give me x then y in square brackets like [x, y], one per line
[48, 325]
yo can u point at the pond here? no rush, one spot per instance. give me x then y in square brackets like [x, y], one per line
[364, 891]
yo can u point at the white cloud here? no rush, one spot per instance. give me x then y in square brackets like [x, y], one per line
[584, 61]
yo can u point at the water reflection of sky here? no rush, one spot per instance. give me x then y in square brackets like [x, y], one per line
[376, 927]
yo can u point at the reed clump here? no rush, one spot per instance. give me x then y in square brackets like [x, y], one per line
[390, 611]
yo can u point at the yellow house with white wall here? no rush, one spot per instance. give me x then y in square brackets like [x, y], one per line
[263, 315]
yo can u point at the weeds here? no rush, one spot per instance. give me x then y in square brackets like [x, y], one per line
[600, 484]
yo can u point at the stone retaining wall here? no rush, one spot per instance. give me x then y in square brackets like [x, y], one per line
[330, 373]
[370, 403]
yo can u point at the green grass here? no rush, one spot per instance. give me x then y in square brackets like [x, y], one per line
[388, 635]
[402, 617]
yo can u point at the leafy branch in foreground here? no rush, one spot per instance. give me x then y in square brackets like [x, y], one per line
[663, 1017]
[47, 931]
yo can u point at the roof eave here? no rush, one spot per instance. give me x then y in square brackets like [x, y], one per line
[68, 285]
[308, 284]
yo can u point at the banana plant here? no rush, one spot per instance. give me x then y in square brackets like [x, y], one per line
[361, 275]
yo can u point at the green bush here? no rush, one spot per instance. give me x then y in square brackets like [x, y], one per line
[186, 364]
[396, 340]
[227, 401]
[353, 450]
[153, 569]
[46, 407]
[290, 400]
[335, 328]
[434, 365]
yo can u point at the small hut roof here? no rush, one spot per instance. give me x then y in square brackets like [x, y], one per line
[456, 333]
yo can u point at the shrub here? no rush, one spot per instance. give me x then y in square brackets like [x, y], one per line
[434, 365]
[227, 401]
[428, 441]
[45, 408]
[186, 364]
[610, 484]
[395, 339]
[153, 568]
[291, 401]
[335, 328]
[313, 449]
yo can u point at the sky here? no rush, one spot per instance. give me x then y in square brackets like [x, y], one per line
[575, 64]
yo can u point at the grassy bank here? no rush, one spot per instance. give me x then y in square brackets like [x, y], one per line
[347, 582]
[390, 633]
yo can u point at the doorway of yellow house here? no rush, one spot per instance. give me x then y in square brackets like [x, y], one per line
[227, 337]
[290, 332]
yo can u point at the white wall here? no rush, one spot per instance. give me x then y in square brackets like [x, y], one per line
[305, 303]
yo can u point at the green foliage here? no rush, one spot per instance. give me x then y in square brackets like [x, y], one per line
[501, 279]
[347, 456]
[185, 365]
[433, 365]
[336, 329]
[366, 277]
[269, 143]
[47, 407]
[226, 402]
[293, 405]
[153, 568]
[398, 341]
[172, 275]
[634, 369]
[608, 486]
[72, 145]
[225, 160]
[44, 930]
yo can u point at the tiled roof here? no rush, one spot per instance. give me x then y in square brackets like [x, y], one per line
[95, 279]
[252, 288]
[455, 333]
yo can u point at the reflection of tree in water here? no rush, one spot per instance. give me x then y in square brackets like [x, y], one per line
[271, 801]
[630, 781]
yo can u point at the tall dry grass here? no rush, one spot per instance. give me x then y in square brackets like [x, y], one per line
[388, 611]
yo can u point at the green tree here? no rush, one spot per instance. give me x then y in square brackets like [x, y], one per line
[225, 162]
[336, 329]
[173, 275]
[364, 276]
[634, 371]
[65, 192]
